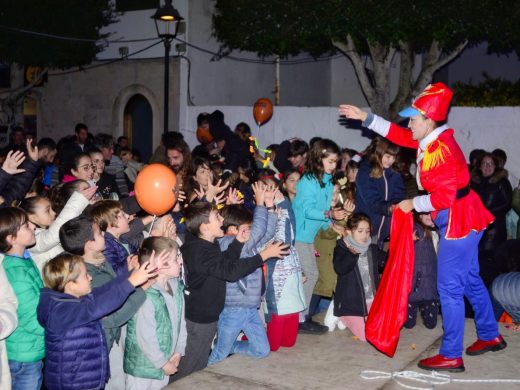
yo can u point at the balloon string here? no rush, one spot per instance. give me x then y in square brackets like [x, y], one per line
[151, 225]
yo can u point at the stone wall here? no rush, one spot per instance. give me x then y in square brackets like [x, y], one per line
[97, 97]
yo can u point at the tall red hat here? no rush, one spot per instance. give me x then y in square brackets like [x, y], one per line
[433, 102]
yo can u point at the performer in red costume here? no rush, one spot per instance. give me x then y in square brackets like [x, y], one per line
[458, 213]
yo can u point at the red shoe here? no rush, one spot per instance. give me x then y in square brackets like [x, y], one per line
[441, 363]
[479, 347]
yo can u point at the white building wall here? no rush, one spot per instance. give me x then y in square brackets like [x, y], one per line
[486, 128]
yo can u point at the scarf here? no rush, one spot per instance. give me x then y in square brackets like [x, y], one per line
[358, 247]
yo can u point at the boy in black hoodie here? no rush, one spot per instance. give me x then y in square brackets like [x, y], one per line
[207, 270]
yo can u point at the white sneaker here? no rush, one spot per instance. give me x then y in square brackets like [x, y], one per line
[330, 320]
[341, 325]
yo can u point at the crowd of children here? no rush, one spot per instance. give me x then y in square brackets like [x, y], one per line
[97, 294]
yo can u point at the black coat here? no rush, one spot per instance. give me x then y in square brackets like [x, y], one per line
[235, 152]
[13, 188]
[497, 195]
[424, 283]
[349, 298]
[107, 185]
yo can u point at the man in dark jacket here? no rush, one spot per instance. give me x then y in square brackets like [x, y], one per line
[235, 151]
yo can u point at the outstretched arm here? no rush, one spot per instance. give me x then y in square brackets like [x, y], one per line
[393, 132]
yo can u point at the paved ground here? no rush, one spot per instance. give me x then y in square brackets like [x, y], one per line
[335, 361]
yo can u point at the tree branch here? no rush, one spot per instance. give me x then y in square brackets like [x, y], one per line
[454, 53]
[405, 79]
[349, 49]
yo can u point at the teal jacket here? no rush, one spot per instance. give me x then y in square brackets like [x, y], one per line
[27, 343]
[310, 205]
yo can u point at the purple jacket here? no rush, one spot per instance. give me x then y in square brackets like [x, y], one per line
[116, 254]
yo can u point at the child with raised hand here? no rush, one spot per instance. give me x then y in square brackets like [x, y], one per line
[26, 345]
[71, 313]
[110, 217]
[156, 335]
[40, 213]
[243, 297]
[357, 262]
[312, 211]
[208, 269]
[284, 297]
[82, 237]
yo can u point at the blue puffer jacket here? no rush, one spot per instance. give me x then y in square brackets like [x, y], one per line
[375, 196]
[77, 357]
[247, 291]
[310, 205]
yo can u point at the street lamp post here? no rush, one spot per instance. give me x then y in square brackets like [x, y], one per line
[167, 20]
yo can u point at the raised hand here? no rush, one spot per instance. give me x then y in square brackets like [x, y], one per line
[161, 260]
[269, 193]
[220, 199]
[89, 192]
[13, 161]
[275, 249]
[259, 192]
[199, 193]
[349, 206]
[214, 190]
[133, 262]
[352, 112]
[278, 196]
[32, 151]
[142, 274]
[338, 214]
[234, 197]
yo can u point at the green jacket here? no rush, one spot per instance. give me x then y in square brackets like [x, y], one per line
[324, 243]
[136, 363]
[102, 274]
[27, 343]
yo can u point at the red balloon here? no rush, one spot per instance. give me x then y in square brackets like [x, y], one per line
[204, 136]
[154, 189]
[262, 111]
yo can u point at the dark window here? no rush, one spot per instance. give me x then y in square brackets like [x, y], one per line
[5, 76]
[136, 5]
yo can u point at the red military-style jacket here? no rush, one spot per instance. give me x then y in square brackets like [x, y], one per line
[443, 171]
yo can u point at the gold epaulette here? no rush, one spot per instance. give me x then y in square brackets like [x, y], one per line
[434, 155]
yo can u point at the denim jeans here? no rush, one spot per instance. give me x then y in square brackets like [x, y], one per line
[230, 323]
[26, 376]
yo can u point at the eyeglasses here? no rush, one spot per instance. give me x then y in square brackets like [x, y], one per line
[87, 167]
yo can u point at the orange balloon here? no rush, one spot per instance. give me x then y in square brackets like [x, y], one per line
[262, 111]
[154, 189]
[204, 136]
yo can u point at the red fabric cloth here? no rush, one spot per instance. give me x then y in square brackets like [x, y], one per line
[389, 309]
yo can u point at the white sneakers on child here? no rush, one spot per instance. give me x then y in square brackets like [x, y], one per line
[330, 320]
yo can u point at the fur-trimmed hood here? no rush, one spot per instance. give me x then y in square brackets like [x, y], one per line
[496, 177]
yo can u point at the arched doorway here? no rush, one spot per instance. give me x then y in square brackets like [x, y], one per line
[138, 125]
